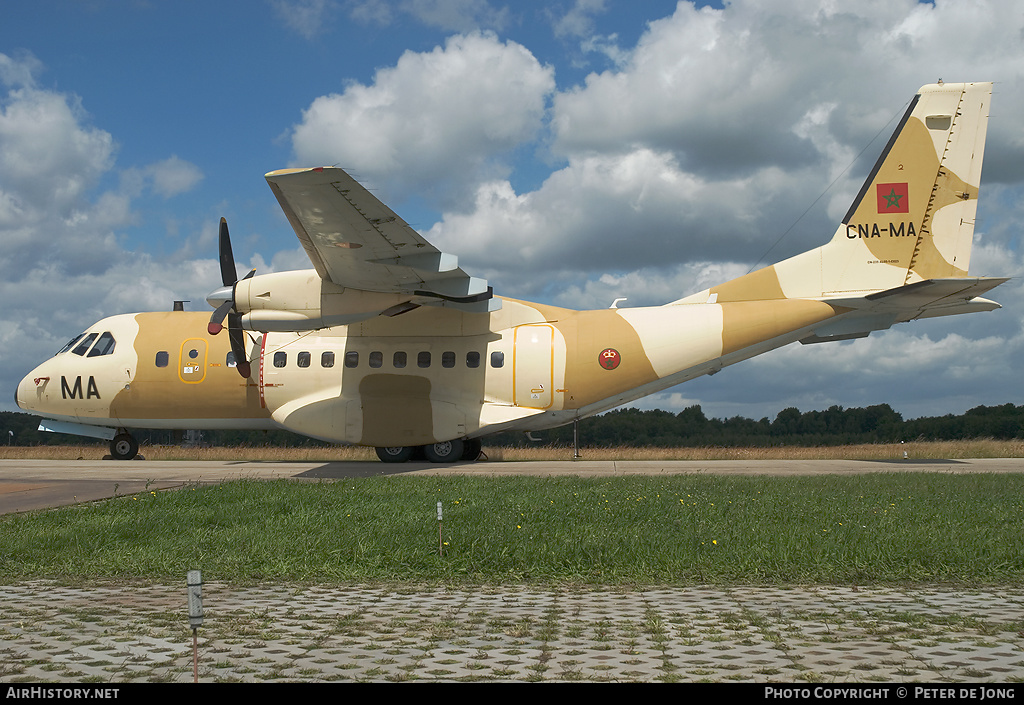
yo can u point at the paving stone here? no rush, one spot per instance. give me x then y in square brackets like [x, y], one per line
[54, 633]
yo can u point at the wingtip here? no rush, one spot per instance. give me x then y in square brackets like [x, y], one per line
[297, 170]
[282, 172]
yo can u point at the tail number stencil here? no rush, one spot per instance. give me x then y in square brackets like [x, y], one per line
[75, 392]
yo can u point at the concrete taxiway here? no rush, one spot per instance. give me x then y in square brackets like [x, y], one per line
[39, 484]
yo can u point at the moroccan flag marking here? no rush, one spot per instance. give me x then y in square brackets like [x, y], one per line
[893, 198]
[609, 358]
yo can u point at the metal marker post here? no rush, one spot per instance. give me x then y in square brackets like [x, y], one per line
[440, 550]
[195, 616]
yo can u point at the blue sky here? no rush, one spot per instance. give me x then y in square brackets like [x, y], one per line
[571, 152]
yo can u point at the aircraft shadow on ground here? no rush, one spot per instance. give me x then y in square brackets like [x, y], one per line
[340, 470]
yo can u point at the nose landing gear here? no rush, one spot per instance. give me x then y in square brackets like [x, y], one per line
[124, 446]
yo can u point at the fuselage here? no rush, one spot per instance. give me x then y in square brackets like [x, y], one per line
[425, 376]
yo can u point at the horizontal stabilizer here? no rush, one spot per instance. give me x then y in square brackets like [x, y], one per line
[925, 299]
[922, 295]
[811, 339]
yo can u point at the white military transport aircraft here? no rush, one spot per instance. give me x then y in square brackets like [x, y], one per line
[387, 342]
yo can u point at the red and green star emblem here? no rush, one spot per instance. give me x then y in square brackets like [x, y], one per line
[893, 198]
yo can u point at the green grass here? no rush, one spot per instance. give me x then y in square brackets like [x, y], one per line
[906, 527]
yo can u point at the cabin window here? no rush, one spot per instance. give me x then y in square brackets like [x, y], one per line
[473, 359]
[302, 359]
[161, 358]
[103, 346]
[327, 358]
[69, 344]
[352, 359]
[400, 360]
[423, 359]
[448, 359]
[229, 360]
[497, 359]
[376, 359]
[280, 358]
[85, 344]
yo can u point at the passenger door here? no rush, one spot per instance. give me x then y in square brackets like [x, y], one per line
[533, 366]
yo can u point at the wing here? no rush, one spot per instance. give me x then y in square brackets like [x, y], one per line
[355, 241]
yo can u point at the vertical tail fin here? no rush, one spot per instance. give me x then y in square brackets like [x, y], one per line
[913, 219]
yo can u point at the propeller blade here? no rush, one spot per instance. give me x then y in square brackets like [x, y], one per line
[224, 302]
[228, 276]
[237, 338]
[216, 324]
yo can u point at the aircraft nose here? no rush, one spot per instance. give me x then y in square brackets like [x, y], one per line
[30, 389]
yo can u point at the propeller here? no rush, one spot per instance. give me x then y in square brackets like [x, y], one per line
[223, 301]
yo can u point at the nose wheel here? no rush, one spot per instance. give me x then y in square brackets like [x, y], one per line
[124, 447]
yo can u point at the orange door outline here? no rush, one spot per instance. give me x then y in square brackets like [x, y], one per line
[192, 361]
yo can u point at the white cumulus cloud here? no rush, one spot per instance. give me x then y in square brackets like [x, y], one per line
[435, 123]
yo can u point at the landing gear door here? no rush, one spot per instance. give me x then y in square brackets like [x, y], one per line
[533, 367]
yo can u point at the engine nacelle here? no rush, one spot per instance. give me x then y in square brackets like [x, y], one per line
[301, 300]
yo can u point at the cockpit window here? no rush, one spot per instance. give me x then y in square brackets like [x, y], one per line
[70, 343]
[103, 346]
[85, 344]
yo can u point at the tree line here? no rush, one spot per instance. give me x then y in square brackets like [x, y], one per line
[641, 428]
[791, 427]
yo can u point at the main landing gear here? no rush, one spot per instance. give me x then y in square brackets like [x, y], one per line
[446, 452]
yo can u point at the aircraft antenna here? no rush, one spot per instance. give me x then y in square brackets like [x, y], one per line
[828, 188]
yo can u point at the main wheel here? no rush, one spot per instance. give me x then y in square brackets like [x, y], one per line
[446, 452]
[471, 448]
[394, 454]
[124, 446]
